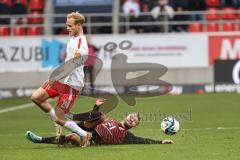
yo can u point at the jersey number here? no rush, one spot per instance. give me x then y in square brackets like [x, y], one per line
[110, 125]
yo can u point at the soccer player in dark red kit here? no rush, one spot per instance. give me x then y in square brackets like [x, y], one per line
[105, 130]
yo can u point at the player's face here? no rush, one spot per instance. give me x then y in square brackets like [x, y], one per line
[132, 120]
[72, 28]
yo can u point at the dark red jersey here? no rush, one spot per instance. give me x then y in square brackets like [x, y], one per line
[111, 131]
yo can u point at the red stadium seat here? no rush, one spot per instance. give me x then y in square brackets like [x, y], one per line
[8, 2]
[195, 27]
[36, 5]
[4, 31]
[238, 26]
[212, 27]
[228, 27]
[34, 31]
[238, 13]
[228, 13]
[18, 31]
[212, 14]
[35, 17]
[24, 2]
[213, 3]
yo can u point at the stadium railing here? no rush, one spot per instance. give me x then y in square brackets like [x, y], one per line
[106, 20]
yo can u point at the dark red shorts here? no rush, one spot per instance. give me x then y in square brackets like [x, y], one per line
[66, 94]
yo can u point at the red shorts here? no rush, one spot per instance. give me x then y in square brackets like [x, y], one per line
[67, 95]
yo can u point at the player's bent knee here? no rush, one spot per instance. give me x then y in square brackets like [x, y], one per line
[35, 97]
[39, 96]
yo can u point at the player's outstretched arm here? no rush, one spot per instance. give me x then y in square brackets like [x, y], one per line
[132, 139]
[92, 115]
[85, 116]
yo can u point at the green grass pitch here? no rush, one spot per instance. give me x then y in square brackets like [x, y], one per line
[210, 129]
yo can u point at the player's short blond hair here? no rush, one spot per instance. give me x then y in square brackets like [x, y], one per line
[79, 18]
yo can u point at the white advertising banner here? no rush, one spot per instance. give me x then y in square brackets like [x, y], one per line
[20, 53]
[172, 50]
[31, 53]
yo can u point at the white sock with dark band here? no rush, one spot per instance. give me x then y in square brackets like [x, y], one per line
[71, 125]
[52, 114]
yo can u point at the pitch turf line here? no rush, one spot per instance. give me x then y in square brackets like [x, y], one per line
[23, 106]
[14, 108]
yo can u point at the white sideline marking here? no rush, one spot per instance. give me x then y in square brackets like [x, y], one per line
[14, 108]
[23, 106]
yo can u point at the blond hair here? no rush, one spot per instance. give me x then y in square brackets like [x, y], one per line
[79, 18]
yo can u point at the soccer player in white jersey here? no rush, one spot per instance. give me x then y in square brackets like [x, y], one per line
[73, 83]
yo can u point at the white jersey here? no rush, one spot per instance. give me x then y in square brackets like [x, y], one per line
[76, 78]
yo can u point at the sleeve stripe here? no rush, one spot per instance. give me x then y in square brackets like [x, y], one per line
[79, 42]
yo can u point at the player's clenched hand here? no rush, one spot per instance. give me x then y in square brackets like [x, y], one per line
[52, 81]
[77, 55]
[100, 101]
